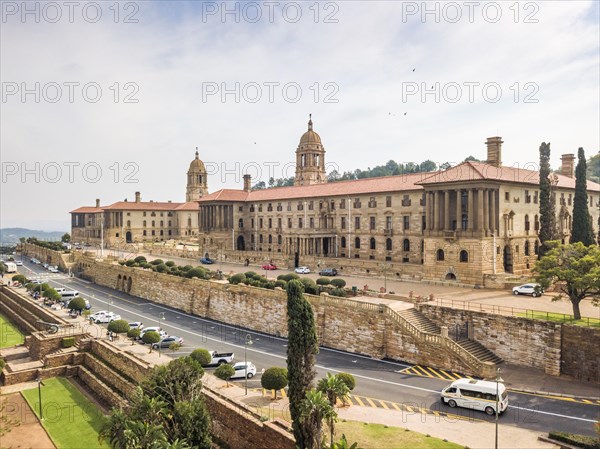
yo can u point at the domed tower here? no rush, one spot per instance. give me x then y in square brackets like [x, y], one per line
[196, 180]
[310, 158]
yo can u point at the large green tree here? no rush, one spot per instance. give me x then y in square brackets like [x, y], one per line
[582, 226]
[301, 355]
[547, 207]
[574, 270]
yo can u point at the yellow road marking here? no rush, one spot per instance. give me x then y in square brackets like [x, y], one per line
[283, 393]
[436, 373]
[409, 408]
[395, 406]
[361, 403]
[425, 373]
[371, 403]
[384, 405]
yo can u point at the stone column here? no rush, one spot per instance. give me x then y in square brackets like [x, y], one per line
[219, 212]
[470, 209]
[493, 212]
[447, 210]
[458, 210]
[480, 209]
[436, 213]
[486, 209]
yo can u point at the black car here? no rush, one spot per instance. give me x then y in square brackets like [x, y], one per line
[328, 272]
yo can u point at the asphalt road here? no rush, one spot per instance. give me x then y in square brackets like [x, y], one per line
[375, 378]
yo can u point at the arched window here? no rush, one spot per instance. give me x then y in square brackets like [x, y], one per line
[440, 254]
[388, 244]
[357, 242]
[279, 240]
[406, 245]
[153, 223]
[527, 247]
[343, 242]
[241, 223]
[536, 247]
[536, 223]
[464, 256]
[128, 223]
[526, 222]
[144, 223]
[372, 243]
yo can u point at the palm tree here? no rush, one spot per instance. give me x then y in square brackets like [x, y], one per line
[334, 388]
[313, 410]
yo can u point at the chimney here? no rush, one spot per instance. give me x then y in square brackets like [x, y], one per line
[494, 151]
[97, 202]
[137, 197]
[567, 167]
[247, 179]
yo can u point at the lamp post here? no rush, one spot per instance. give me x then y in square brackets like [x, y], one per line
[247, 342]
[161, 316]
[39, 381]
[498, 380]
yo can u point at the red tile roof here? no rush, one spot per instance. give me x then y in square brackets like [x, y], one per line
[341, 188]
[192, 205]
[142, 205]
[476, 171]
[86, 210]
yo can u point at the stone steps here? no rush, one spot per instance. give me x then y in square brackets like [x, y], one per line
[479, 351]
[419, 320]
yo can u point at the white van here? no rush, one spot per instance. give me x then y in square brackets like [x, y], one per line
[11, 267]
[476, 394]
[69, 294]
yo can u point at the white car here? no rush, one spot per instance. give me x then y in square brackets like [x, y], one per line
[53, 269]
[302, 270]
[109, 317]
[136, 325]
[528, 289]
[96, 315]
[19, 263]
[244, 369]
[161, 332]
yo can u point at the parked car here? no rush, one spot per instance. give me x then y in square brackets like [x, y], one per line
[302, 270]
[166, 342]
[328, 272]
[269, 266]
[244, 369]
[19, 263]
[36, 281]
[207, 261]
[136, 325]
[220, 358]
[53, 269]
[528, 289]
[161, 332]
[45, 265]
[34, 260]
[107, 318]
[96, 315]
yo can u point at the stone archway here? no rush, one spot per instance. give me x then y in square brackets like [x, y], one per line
[240, 244]
[450, 277]
[128, 287]
[508, 259]
[128, 238]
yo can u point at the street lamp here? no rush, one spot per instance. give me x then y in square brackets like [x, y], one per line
[40, 383]
[161, 316]
[498, 380]
[247, 343]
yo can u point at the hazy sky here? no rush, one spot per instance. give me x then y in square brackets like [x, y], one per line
[100, 101]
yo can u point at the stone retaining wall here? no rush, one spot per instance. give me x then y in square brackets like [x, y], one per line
[99, 388]
[108, 375]
[49, 256]
[581, 352]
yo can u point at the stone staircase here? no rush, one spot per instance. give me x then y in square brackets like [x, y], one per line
[480, 359]
[479, 351]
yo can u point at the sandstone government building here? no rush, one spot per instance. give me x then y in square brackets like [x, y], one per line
[473, 222]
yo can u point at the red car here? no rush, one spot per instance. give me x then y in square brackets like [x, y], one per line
[269, 266]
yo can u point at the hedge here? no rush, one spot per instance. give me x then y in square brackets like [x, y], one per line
[339, 283]
[583, 441]
[68, 342]
[323, 281]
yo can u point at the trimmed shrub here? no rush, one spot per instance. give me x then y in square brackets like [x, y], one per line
[202, 356]
[323, 281]
[20, 278]
[237, 278]
[156, 261]
[2, 364]
[250, 274]
[161, 268]
[281, 283]
[348, 379]
[77, 304]
[270, 285]
[186, 268]
[139, 259]
[146, 265]
[121, 262]
[274, 379]
[288, 277]
[150, 338]
[337, 282]
[309, 286]
[68, 342]
[118, 326]
[224, 372]
[133, 333]
[170, 263]
[196, 273]
[130, 263]
[340, 292]
[583, 441]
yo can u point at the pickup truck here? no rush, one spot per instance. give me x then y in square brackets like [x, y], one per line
[220, 358]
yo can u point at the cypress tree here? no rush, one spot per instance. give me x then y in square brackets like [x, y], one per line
[547, 201]
[582, 228]
[301, 356]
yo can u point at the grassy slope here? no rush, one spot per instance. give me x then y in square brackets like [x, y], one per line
[10, 335]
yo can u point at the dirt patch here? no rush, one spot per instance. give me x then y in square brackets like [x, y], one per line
[19, 427]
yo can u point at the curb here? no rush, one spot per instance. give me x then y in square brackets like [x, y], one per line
[547, 393]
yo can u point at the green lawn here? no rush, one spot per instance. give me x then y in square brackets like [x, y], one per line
[378, 436]
[10, 335]
[560, 318]
[70, 419]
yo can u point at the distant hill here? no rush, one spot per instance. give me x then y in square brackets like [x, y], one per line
[12, 235]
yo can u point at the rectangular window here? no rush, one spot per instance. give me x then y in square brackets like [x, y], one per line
[241, 209]
[406, 222]
[570, 199]
[289, 223]
[260, 223]
[311, 205]
[343, 224]
[506, 196]
[372, 202]
[289, 206]
[388, 201]
[535, 197]
[300, 223]
[423, 222]
[270, 223]
[372, 223]
[312, 223]
[343, 204]
[279, 223]
[252, 223]
[388, 222]
[356, 203]
[356, 222]
[406, 201]
[527, 197]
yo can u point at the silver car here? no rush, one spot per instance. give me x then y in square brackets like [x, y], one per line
[528, 289]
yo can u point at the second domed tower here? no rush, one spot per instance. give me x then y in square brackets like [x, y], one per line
[310, 159]
[197, 186]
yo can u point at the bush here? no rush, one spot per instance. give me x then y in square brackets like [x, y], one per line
[139, 259]
[118, 326]
[121, 262]
[281, 283]
[2, 364]
[133, 333]
[224, 372]
[348, 379]
[20, 278]
[170, 263]
[52, 294]
[68, 342]
[238, 278]
[150, 338]
[77, 304]
[323, 281]
[130, 263]
[274, 379]
[287, 277]
[196, 273]
[186, 268]
[175, 346]
[337, 282]
[161, 268]
[250, 274]
[309, 286]
[156, 261]
[583, 441]
[340, 292]
[202, 356]
[269, 284]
